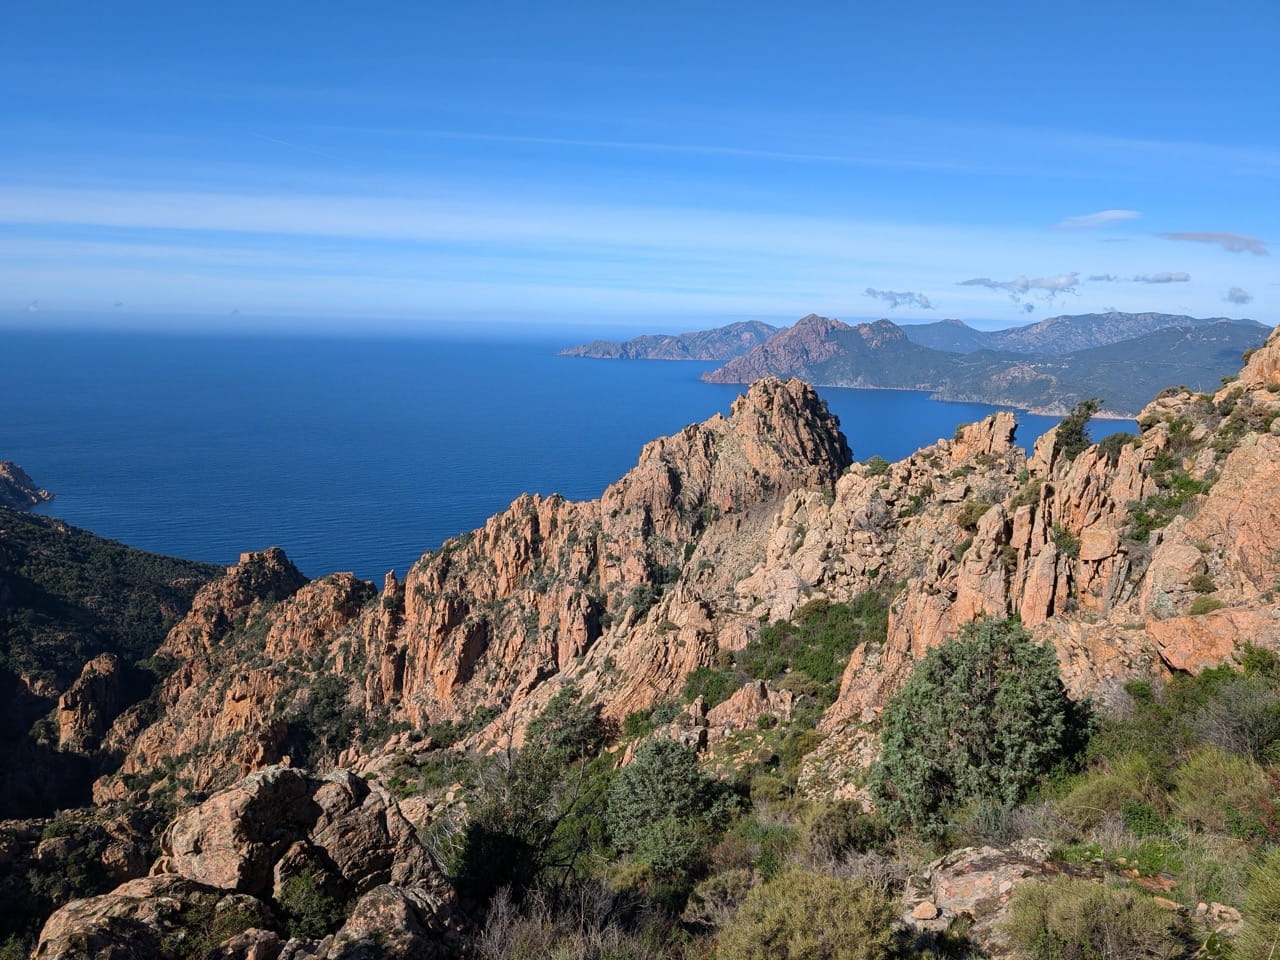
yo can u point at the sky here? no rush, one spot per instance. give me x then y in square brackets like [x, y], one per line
[664, 165]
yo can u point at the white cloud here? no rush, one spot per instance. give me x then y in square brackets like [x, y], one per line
[1018, 289]
[902, 298]
[1238, 295]
[1231, 242]
[1102, 218]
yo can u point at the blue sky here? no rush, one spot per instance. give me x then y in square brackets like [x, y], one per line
[660, 165]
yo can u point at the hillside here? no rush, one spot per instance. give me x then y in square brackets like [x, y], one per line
[77, 613]
[722, 343]
[1123, 373]
[732, 622]
[1055, 336]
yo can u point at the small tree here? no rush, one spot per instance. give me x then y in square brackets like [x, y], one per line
[981, 717]
[663, 809]
[1071, 440]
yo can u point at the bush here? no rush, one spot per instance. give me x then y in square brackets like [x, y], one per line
[1219, 792]
[1071, 919]
[309, 910]
[1127, 782]
[567, 729]
[1072, 438]
[842, 828]
[876, 466]
[981, 717]
[806, 916]
[970, 513]
[1202, 605]
[1259, 938]
[663, 810]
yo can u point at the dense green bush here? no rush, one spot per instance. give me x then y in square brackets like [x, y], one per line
[807, 916]
[309, 909]
[1073, 919]
[568, 729]
[663, 810]
[981, 717]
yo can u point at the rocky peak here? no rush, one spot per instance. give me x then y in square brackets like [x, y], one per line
[879, 333]
[784, 354]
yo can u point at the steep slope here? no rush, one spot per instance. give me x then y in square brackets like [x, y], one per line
[722, 343]
[266, 667]
[79, 615]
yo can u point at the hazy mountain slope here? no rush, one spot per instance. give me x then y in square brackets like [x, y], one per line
[722, 343]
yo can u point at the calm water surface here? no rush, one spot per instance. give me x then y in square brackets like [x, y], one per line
[358, 454]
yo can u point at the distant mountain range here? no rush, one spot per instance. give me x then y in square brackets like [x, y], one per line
[1046, 367]
[722, 343]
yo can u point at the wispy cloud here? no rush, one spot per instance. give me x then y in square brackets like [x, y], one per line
[1102, 218]
[1231, 242]
[1020, 288]
[1166, 277]
[1162, 278]
[900, 298]
[1238, 295]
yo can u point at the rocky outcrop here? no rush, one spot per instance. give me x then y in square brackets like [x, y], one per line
[17, 490]
[225, 869]
[89, 706]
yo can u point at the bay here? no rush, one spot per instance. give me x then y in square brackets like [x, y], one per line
[359, 454]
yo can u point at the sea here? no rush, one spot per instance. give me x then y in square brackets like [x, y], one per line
[360, 454]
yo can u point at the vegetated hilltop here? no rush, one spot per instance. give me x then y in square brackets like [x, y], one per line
[735, 619]
[718, 344]
[79, 615]
[1125, 368]
[1054, 336]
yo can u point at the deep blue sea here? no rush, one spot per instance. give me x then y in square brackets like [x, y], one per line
[358, 454]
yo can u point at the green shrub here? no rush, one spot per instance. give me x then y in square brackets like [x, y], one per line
[806, 916]
[568, 729]
[876, 466]
[1111, 787]
[713, 685]
[1202, 605]
[970, 513]
[1111, 445]
[663, 810]
[841, 828]
[1071, 919]
[981, 717]
[1259, 938]
[309, 910]
[1219, 792]
[1202, 583]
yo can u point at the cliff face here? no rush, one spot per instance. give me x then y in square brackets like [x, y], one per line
[547, 589]
[1135, 558]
